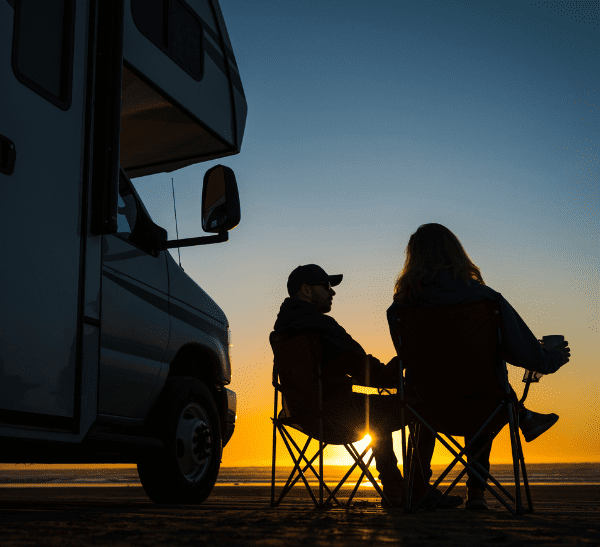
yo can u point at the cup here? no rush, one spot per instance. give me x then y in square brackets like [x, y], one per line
[552, 341]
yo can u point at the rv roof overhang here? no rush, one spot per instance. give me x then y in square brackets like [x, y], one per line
[170, 120]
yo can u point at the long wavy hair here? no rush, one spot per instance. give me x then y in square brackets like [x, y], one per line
[433, 247]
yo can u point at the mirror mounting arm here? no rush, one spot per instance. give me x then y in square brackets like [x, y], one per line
[193, 241]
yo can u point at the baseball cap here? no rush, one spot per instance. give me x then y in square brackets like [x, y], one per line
[310, 274]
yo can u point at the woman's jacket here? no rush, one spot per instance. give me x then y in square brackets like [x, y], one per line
[520, 346]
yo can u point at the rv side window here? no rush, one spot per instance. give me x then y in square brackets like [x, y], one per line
[173, 27]
[42, 54]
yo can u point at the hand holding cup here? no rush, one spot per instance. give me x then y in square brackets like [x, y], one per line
[565, 351]
[550, 342]
[559, 343]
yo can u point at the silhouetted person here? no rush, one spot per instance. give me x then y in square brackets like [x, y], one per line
[344, 363]
[438, 272]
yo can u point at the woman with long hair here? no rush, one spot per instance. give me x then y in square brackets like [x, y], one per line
[439, 272]
[431, 248]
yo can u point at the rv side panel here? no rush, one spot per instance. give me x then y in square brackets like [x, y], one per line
[42, 108]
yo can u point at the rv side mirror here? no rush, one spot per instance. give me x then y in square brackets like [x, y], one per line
[220, 200]
[220, 209]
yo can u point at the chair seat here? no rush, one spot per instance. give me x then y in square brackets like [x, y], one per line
[333, 433]
[461, 417]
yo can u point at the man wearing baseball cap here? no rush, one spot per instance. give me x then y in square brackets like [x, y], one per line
[345, 363]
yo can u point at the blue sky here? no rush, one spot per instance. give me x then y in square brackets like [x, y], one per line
[367, 119]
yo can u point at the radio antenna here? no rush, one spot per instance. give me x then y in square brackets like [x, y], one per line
[176, 229]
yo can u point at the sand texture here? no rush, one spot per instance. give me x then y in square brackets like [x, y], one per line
[241, 516]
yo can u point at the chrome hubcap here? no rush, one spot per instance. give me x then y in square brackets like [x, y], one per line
[193, 442]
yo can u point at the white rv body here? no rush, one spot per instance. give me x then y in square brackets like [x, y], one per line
[96, 318]
[43, 253]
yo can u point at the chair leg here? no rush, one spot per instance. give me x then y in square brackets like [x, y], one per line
[447, 471]
[526, 485]
[288, 486]
[339, 485]
[289, 483]
[405, 463]
[476, 465]
[418, 460]
[321, 482]
[362, 473]
[308, 466]
[360, 461]
[273, 461]
[513, 442]
[479, 476]
[413, 435]
[439, 480]
[358, 483]
[525, 481]
[459, 457]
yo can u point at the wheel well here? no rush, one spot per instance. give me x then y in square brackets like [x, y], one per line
[195, 361]
[199, 362]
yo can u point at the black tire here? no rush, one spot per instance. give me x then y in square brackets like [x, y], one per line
[186, 419]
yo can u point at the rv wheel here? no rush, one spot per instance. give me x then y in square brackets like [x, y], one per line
[186, 419]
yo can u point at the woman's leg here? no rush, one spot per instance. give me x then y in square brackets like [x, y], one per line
[483, 459]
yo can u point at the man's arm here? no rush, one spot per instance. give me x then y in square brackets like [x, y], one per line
[343, 356]
[366, 370]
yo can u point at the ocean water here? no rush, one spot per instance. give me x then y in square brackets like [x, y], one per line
[585, 473]
[37, 475]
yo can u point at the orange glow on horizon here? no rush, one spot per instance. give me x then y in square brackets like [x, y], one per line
[571, 393]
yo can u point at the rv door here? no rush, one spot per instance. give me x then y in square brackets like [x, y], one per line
[48, 347]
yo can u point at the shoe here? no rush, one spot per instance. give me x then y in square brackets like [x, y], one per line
[393, 489]
[476, 499]
[391, 503]
[534, 424]
[433, 496]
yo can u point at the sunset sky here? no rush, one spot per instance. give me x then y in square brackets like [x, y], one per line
[368, 119]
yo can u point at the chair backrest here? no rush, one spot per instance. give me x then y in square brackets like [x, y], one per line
[296, 375]
[452, 354]
[296, 363]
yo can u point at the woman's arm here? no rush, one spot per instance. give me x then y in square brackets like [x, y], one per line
[520, 346]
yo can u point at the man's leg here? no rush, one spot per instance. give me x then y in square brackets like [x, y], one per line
[387, 466]
[364, 415]
[356, 414]
[386, 461]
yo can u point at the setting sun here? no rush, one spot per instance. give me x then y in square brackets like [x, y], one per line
[337, 454]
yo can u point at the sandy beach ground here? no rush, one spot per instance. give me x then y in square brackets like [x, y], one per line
[240, 515]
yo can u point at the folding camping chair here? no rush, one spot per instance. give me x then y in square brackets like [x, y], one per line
[297, 376]
[453, 368]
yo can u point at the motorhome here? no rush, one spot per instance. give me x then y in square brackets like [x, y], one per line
[109, 351]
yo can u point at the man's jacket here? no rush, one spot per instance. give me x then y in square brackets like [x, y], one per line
[344, 361]
[520, 346]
